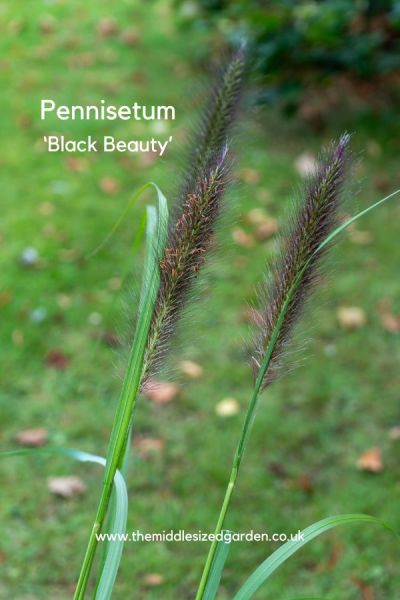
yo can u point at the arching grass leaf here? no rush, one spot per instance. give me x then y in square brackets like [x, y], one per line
[273, 562]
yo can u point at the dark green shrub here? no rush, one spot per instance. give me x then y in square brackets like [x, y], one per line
[303, 45]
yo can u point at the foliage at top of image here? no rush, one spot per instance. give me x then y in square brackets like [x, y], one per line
[298, 44]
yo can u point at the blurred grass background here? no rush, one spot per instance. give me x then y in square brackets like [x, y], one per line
[59, 317]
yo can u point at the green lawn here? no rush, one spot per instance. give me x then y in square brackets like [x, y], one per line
[311, 426]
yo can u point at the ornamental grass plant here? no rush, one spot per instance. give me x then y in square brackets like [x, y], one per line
[175, 251]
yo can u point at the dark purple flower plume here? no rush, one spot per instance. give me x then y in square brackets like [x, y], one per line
[197, 211]
[315, 219]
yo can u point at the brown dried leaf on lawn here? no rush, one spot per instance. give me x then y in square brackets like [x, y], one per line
[130, 37]
[394, 433]
[76, 164]
[265, 226]
[256, 216]
[241, 238]
[389, 320]
[228, 407]
[351, 317]
[147, 159]
[149, 446]
[303, 483]
[56, 359]
[109, 185]
[18, 338]
[371, 461]
[47, 24]
[358, 236]
[64, 301]
[107, 27]
[191, 369]
[5, 298]
[250, 175]
[161, 392]
[336, 554]
[66, 487]
[82, 60]
[266, 230]
[32, 437]
[153, 579]
[366, 590]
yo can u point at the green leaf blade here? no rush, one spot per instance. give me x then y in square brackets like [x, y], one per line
[273, 562]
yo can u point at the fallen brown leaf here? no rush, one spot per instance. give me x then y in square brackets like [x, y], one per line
[303, 483]
[107, 27]
[64, 301]
[394, 433]
[249, 175]
[389, 321]
[47, 25]
[266, 230]
[153, 579]
[191, 369]
[24, 121]
[82, 60]
[161, 392]
[18, 338]
[228, 407]
[351, 317]
[130, 37]
[57, 359]
[256, 216]
[76, 164]
[371, 461]
[32, 437]
[242, 238]
[335, 555]
[358, 236]
[66, 487]
[109, 185]
[5, 298]
[366, 590]
[147, 159]
[148, 446]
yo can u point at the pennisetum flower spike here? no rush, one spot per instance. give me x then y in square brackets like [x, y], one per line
[284, 298]
[198, 208]
[189, 238]
[298, 256]
[184, 255]
[220, 112]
